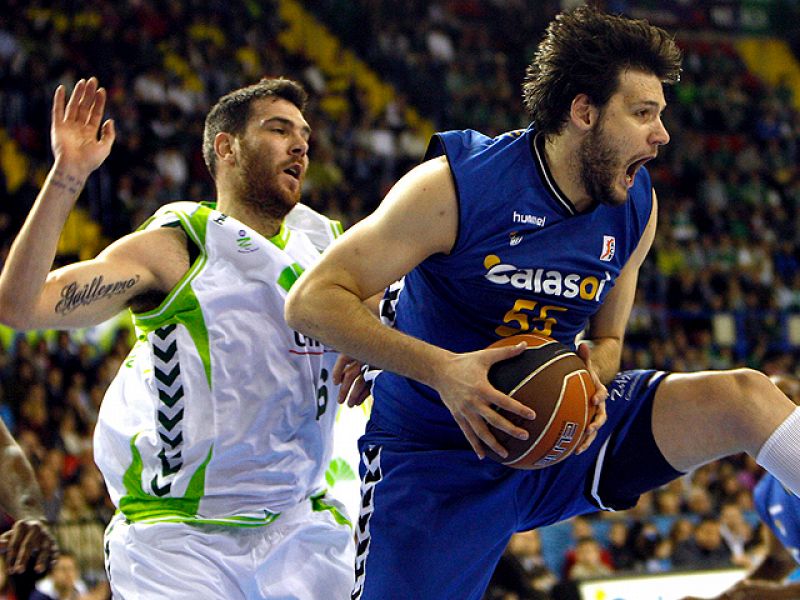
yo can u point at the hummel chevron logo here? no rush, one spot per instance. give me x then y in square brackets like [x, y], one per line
[167, 378]
[169, 424]
[157, 489]
[173, 443]
[166, 355]
[170, 400]
[163, 332]
[166, 467]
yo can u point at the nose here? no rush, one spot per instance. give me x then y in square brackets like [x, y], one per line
[299, 146]
[660, 135]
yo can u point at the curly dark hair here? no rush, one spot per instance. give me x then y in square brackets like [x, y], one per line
[583, 52]
[232, 112]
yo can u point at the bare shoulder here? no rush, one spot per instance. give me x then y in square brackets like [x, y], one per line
[163, 252]
[421, 209]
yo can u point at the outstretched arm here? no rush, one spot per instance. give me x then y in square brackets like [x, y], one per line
[21, 498]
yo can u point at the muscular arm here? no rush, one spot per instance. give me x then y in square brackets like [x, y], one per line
[92, 291]
[607, 328]
[327, 302]
[418, 218]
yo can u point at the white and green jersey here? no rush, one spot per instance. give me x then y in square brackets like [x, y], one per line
[222, 413]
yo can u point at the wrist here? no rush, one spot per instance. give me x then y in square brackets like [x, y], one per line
[65, 183]
[439, 365]
[69, 172]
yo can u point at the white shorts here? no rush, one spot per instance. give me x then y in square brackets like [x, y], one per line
[303, 555]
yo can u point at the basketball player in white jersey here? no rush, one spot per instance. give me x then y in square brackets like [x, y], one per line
[214, 437]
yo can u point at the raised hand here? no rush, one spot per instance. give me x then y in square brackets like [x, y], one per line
[75, 128]
[466, 392]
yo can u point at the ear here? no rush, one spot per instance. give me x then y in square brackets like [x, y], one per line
[224, 147]
[582, 113]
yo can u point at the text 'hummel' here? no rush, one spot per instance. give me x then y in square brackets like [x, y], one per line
[530, 219]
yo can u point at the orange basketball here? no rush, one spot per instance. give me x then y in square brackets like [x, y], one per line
[553, 381]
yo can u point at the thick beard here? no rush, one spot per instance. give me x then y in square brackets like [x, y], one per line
[599, 169]
[260, 190]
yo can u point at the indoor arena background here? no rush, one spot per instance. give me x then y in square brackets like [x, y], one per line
[721, 287]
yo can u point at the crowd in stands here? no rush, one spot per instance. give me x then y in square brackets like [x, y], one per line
[718, 289]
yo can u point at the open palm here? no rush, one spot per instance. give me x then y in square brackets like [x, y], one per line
[75, 128]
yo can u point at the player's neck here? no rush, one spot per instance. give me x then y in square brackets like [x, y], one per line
[266, 225]
[561, 154]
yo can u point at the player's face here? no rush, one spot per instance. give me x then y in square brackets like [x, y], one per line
[626, 136]
[273, 156]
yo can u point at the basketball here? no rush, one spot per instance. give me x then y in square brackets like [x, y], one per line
[553, 381]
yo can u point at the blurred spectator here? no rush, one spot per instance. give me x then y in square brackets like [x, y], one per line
[521, 573]
[704, 550]
[65, 583]
[80, 532]
[619, 547]
[738, 534]
[588, 560]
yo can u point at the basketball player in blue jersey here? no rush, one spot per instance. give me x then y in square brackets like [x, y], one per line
[541, 230]
[779, 509]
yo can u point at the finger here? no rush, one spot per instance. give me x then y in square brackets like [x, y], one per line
[584, 352]
[600, 416]
[511, 405]
[600, 395]
[74, 99]
[87, 99]
[587, 441]
[473, 439]
[494, 355]
[108, 133]
[500, 422]
[24, 550]
[348, 377]
[97, 108]
[590, 434]
[358, 393]
[486, 436]
[46, 552]
[339, 367]
[351, 388]
[59, 99]
[13, 539]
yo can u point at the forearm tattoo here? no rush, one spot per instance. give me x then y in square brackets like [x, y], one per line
[74, 295]
[66, 182]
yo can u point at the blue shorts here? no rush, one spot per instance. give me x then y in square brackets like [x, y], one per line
[434, 522]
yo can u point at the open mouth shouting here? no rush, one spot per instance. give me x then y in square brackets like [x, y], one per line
[633, 168]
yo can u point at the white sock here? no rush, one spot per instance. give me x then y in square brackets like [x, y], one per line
[780, 454]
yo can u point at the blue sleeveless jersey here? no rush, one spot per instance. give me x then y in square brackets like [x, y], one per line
[524, 261]
[780, 510]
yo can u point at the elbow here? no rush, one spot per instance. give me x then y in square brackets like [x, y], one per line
[12, 316]
[296, 310]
